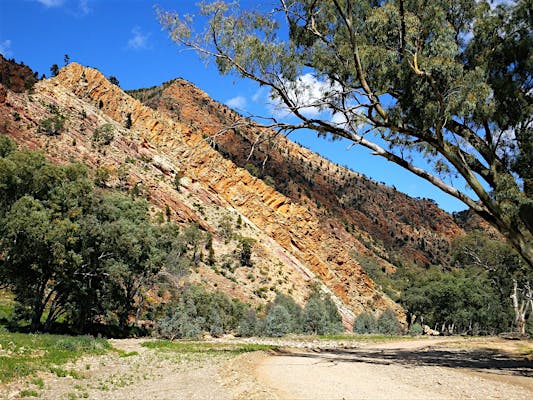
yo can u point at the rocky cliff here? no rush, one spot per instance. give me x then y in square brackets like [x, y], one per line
[168, 160]
[392, 225]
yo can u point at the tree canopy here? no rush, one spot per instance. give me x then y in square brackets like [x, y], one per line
[72, 252]
[450, 81]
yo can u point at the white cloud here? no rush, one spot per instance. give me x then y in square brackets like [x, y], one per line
[308, 93]
[237, 102]
[339, 119]
[51, 3]
[83, 7]
[5, 48]
[260, 95]
[139, 40]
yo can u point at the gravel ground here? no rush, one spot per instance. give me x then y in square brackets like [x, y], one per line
[303, 368]
[418, 369]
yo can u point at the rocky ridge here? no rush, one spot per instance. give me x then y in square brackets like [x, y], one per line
[291, 251]
[392, 226]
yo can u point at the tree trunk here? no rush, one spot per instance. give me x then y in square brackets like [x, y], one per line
[520, 306]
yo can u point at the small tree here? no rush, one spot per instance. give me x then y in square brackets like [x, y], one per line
[245, 253]
[365, 323]
[128, 122]
[320, 315]
[177, 180]
[248, 326]
[104, 135]
[54, 125]
[113, 80]
[388, 323]
[294, 310]
[278, 321]
[54, 70]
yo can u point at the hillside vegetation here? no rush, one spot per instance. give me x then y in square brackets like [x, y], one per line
[150, 207]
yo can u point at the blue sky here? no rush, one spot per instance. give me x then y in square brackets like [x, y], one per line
[123, 38]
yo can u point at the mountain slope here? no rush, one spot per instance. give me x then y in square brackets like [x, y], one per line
[393, 225]
[148, 150]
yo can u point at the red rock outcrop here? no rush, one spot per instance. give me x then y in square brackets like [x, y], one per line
[293, 241]
[295, 228]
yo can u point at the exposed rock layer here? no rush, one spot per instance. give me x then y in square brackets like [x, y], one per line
[297, 241]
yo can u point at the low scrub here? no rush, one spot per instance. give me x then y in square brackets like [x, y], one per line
[386, 324]
[206, 348]
[198, 311]
[25, 354]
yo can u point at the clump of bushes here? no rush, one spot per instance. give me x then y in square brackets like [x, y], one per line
[199, 311]
[386, 324]
[103, 135]
[54, 125]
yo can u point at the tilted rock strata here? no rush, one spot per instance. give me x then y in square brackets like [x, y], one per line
[292, 226]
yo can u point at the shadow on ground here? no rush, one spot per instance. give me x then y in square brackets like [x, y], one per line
[480, 360]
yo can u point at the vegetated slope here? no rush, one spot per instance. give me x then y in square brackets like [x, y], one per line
[16, 77]
[168, 162]
[394, 226]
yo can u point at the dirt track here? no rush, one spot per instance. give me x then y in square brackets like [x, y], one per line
[302, 369]
[423, 369]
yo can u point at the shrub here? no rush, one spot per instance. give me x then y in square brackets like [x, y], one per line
[294, 310]
[248, 325]
[388, 323]
[416, 329]
[199, 311]
[320, 315]
[128, 122]
[54, 125]
[113, 80]
[180, 322]
[177, 180]
[245, 251]
[104, 134]
[278, 321]
[364, 323]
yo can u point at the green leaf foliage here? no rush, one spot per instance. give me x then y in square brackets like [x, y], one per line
[197, 310]
[443, 88]
[320, 315]
[365, 323]
[71, 252]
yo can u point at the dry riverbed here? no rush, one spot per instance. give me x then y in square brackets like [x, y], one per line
[428, 368]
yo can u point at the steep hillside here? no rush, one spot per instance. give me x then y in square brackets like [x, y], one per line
[169, 162]
[16, 77]
[392, 225]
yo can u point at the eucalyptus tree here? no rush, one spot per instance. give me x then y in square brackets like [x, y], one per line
[448, 81]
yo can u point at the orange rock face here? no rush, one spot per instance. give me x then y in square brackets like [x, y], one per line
[296, 240]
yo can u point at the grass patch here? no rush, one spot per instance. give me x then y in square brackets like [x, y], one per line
[124, 354]
[206, 348]
[526, 350]
[24, 354]
[7, 305]
[29, 393]
[38, 382]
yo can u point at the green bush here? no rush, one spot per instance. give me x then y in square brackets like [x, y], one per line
[197, 311]
[388, 323]
[294, 310]
[278, 321]
[320, 315]
[416, 329]
[245, 251]
[248, 325]
[54, 125]
[364, 323]
[104, 134]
